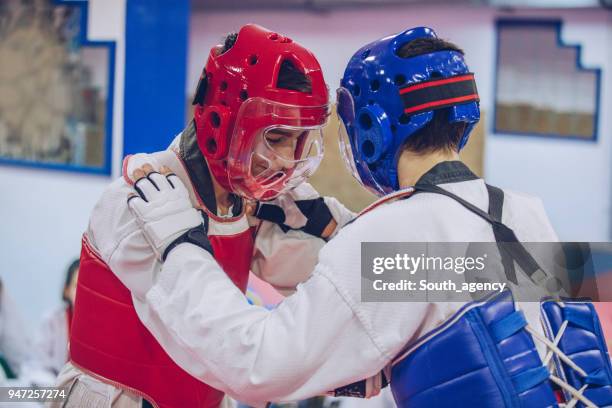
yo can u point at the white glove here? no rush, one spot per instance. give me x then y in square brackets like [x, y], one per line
[163, 210]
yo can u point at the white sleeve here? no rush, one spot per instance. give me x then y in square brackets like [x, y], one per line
[44, 364]
[52, 341]
[311, 343]
[275, 253]
[276, 250]
[115, 236]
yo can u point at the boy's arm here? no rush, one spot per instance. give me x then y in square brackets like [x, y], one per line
[311, 343]
[294, 227]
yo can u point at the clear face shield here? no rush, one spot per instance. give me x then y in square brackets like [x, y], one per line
[284, 157]
[350, 148]
[275, 147]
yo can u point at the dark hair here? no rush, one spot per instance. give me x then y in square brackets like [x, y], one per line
[229, 41]
[289, 76]
[439, 133]
[74, 266]
[422, 46]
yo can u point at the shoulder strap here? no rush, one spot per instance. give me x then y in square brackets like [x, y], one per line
[512, 250]
[496, 202]
[496, 205]
[431, 188]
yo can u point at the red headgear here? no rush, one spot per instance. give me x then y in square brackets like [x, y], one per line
[238, 101]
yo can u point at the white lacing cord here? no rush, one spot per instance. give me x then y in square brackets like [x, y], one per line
[556, 341]
[577, 395]
[556, 350]
[548, 364]
[574, 400]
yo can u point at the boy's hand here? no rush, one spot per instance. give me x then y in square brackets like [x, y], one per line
[164, 211]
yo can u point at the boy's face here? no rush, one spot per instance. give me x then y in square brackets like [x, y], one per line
[274, 147]
[278, 151]
[275, 151]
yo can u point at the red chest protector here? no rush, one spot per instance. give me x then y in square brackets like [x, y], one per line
[108, 341]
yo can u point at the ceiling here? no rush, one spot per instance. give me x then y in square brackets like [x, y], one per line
[325, 5]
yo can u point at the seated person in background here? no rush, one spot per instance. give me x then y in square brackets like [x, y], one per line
[52, 342]
[14, 339]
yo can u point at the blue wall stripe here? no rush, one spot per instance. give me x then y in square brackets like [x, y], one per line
[155, 73]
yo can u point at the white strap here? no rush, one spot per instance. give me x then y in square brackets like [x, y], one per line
[553, 349]
[577, 394]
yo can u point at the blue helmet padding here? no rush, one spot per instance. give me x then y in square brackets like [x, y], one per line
[354, 160]
[374, 76]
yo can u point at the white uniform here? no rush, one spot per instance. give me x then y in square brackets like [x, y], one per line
[52, 341]
[15, 346]
[114, 235]
[323, 336]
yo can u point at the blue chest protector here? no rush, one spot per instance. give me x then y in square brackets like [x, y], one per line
[485, 356]
[481, 358]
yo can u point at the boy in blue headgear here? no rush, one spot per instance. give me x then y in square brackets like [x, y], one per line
[408, 103]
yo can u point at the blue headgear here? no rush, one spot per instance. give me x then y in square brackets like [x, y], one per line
[384, 99]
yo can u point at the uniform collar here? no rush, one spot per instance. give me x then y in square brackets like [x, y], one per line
[441, 173]
[447, 172]
[199, 174]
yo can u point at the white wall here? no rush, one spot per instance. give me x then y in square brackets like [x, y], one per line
[44, 213]
[573, 178]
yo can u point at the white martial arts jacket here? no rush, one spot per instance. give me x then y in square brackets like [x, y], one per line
[47, 355]
[323, 336]
[52, 342]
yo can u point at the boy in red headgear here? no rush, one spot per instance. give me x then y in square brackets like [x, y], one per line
[256, 135]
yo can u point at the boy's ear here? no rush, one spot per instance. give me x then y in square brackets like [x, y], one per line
[198, 98]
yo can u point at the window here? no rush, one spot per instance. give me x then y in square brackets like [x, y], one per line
[541, 86]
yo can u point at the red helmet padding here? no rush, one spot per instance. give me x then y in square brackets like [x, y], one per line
[250, 69]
